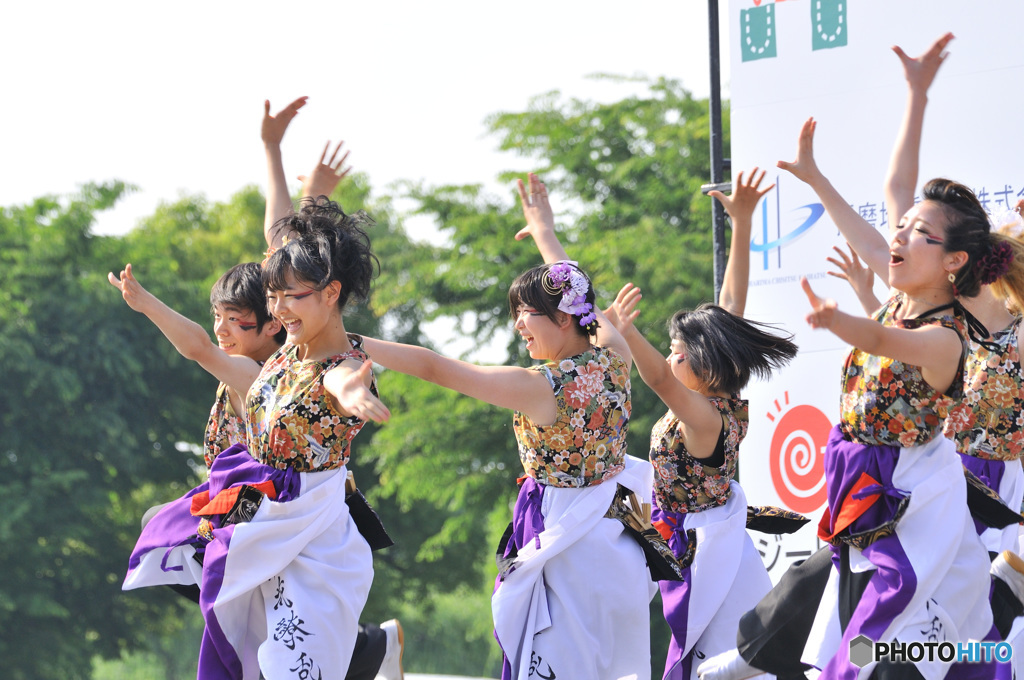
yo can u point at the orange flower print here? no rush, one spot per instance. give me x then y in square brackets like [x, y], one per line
[908, 438]
[1001, 390]
[559, 437]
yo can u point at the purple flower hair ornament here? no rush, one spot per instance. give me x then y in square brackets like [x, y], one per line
[564, 278]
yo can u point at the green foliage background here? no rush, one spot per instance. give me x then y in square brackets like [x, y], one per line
[101, 417]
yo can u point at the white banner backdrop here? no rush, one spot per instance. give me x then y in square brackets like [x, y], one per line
[831, 59]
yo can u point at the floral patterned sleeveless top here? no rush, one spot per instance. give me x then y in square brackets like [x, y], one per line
[989, 421]
[223, 429]
[885, 402]
[587, 442]
[291, 421]
[683, 483]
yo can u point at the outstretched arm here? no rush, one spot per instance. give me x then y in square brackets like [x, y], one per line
[540, 225]
[860, 278]
[349, 384]
[872, 247]
[505, 386]
[701, 421]
[935, 349]
[740, 206]
[279, 201]
[901, 180]
[188, 337]
[326, 175]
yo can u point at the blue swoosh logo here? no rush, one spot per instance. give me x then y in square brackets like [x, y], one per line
[816, 211]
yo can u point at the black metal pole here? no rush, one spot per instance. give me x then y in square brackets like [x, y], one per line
[717, 161]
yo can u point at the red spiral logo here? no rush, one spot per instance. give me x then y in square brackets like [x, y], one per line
[798, 458]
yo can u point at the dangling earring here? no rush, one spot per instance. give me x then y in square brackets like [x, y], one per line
[952, 281]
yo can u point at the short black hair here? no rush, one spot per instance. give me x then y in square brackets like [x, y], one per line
[725, 350]
[532, 289]
[241, 288]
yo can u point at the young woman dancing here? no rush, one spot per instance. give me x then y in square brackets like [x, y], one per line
[573, 600]
[766, 637]
[284, 572]
[983, 424]
[910, 565]
[378, 651]
[694, 450]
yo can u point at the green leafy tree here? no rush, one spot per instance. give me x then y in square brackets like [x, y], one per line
[91, 415]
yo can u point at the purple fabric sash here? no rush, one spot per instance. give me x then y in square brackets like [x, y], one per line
[675, 597]
[527, 519]
[527, 525]
[893, 584]
[174, 525]
[845, 462]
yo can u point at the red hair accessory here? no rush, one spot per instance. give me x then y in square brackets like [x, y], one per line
[995, 265]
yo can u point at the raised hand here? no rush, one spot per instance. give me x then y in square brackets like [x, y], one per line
[327, 174]
[355, 398]
[744, 196]
[920, 71]
[132, 291]
[859, 276]
[823, 311]
[536, 208]
[804, 167]
[851, 270]
[623, 312]
[274, 127]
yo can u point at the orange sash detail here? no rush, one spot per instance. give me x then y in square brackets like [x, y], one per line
[204, 506]
[850, 509]
[664, 528]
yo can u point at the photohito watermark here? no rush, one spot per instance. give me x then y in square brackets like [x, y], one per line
[863, 651]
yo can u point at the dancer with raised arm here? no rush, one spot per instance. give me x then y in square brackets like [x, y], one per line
[572, 598]
[242, 326]
[781, 621]
[378, 649]
[907, 555]
[695, 445]
[289, 597]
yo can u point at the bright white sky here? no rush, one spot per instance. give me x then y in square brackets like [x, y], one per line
[169, 96]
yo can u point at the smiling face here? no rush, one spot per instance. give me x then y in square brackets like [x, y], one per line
[302, 310]
[237, 334]
[918, 261]
[544, 338]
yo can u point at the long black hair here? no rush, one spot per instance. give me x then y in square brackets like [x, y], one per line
[725, 350]
[325, 245]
